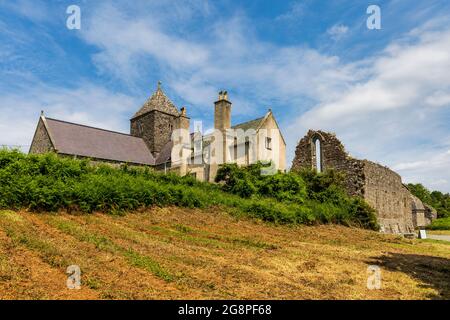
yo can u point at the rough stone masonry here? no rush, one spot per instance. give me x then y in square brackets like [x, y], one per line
[398, 211]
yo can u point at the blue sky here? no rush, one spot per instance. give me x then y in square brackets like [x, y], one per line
[385, 93]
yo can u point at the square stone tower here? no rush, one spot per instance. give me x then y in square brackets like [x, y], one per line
[156, 120]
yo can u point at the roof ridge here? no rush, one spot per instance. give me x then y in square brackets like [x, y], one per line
[260, 118]
[91, 127]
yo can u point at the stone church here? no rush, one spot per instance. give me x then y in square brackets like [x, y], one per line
[152, 140]
[398, 210]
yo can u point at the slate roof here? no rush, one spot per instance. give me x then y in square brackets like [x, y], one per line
[252, 124]
[80, 140]
[165, 154]
[158, 101]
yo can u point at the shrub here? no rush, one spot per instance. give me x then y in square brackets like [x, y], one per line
[435, 199]
[440, 224]
[313, 197]
[51, 183]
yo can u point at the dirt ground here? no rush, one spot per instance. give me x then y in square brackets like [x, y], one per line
[173, 253]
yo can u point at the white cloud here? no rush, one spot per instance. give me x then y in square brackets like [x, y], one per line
[337, 31]
[295, 12]
[391, 116]
[88, 104]
[229, 56]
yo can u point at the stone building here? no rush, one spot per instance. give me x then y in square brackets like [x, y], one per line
[152, 140]
[398, 210]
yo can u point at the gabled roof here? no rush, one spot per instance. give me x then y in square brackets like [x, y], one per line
[158, 101]
[252, 124]
[80, 140]
[257, 123]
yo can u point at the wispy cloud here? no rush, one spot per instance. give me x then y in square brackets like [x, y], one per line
[87, 104]
[337, 31]
[295, 12]
[397, 114]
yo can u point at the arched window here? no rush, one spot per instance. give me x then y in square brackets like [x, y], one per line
[318, 154]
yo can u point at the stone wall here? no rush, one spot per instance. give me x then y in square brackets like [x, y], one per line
[384, 191]
[333, 155]
[41, 141]
[381, 187]
[155, 128]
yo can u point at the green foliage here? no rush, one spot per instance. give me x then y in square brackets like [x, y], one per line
[51, 183]
[304, 197]
[436, 199]
[248, 181]
[440, 224]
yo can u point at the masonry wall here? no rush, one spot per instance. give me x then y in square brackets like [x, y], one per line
[155, 128]
[381, 187]
[384, 191]
[41, 141]
[333, 156]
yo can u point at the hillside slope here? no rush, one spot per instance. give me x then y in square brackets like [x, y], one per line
[174, 253]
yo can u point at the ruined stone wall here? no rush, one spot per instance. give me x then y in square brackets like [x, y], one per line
[41, 141]
[384, 191]
[155, 128]
[381, 187]
[333, 156]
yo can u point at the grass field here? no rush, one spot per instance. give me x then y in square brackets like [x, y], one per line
[174, 253]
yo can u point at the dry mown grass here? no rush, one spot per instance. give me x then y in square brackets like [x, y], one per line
[175, 253]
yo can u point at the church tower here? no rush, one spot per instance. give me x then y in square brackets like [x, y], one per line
[155, 121]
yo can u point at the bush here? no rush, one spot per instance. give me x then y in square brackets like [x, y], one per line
[248, 181]
[440, 224]
[435, 199]
[313, 197]
[51, 183]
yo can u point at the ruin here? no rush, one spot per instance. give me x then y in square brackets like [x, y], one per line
[398, 211]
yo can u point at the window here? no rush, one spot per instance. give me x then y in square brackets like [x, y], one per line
[318, 155]
[269, 143]
[170, 127]
[247, 152]
[235, 150]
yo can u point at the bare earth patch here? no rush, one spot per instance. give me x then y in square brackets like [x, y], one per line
[173, 253]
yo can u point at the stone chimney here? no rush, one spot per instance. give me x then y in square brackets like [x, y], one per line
[182, 121]
[222, 112]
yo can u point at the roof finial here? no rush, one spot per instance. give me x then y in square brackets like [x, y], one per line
[42, 113]
[159, 85]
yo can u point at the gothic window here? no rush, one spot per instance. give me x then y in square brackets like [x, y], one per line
[318, 154]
